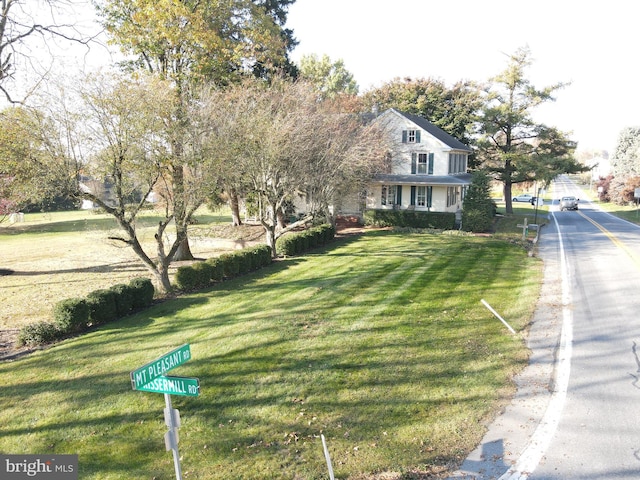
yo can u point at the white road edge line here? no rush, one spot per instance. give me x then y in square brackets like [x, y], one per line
[541, 438]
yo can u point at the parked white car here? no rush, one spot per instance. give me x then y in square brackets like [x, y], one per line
[525, 197]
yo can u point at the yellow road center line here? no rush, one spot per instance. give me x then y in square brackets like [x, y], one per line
[613, 239]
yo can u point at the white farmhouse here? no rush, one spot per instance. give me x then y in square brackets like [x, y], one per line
[428, 167]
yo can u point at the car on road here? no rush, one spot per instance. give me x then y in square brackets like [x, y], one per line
[569, 203]
[525, 197]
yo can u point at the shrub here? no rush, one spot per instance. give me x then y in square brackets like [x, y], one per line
[203, 271]
[102, 306]
[261, 256]
[300, 242]
[195, 276]
[185, 278]
[478, 209]
[217, 269]
[410, 218]
[286, 245]
[243, 257]
[38, 334]
[71, 315]
[312, 238]
[143, 292]
[124, 299]
[476, 221]
[230, 264]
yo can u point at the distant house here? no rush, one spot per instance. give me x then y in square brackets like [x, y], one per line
[428, 167]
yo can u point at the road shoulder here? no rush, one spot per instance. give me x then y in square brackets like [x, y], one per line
[510, 433]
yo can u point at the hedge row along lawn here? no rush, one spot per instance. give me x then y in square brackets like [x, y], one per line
[380, 343]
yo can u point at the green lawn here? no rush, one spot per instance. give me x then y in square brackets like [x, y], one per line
[380, 343]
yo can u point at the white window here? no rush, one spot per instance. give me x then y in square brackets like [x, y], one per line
[421, 197]
[453, 194]
[388, 195]
[410, 136]
[423, 162]
[457, 163]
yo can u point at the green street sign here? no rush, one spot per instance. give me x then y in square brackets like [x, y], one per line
[151, 371]
[185, 386]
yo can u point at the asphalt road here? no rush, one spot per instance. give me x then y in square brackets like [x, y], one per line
[577, 411]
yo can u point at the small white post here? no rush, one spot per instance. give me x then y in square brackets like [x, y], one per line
[171, 439]
[326, 455]
[525, 228]
[498, 316]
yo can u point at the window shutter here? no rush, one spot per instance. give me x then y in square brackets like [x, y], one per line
[399, 195]
[404, 136]
[430, 171]
[429, 196]
[413, 194]
[417, 136]
[414, 160]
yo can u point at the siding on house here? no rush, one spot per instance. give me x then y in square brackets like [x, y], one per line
[428, 167]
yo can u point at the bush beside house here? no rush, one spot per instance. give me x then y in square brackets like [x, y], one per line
[410, 219]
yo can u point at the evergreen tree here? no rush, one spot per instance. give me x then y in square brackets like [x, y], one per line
[478, 209]
[513, 147]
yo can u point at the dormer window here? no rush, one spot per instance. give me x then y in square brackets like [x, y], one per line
[411, 136]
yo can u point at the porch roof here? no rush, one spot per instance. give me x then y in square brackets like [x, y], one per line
[435, 180]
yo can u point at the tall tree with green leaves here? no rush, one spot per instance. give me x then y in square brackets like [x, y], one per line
[330, 78]
[32, 167]
[188, 42]
[513, 147]
[452, 109]
[278, 10]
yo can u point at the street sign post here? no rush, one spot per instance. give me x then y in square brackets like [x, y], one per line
[152, 370]
[189, 387]
[151, 378]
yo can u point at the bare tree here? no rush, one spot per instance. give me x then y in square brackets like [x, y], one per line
[23, 22]
[278, 141]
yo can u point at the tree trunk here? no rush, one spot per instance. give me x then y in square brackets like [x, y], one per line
[281, 219]
[507, 190]
[270, 232]
[235, 208]
[162, 278]
[184, 251]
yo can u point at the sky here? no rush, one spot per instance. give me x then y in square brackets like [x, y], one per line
[594, 46]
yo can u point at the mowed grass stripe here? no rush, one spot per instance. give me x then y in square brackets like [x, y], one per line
[360, 344]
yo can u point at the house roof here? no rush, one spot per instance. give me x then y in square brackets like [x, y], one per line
[437, 132]
[435, 180]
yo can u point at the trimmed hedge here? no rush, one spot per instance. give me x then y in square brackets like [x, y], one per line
[410, 218]
[143, 292]
[300, 242]
[200, 275]
[39, 333]
[71, 315]
[74, 315]
[217, 269]
[124, 299]
[102, 306]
